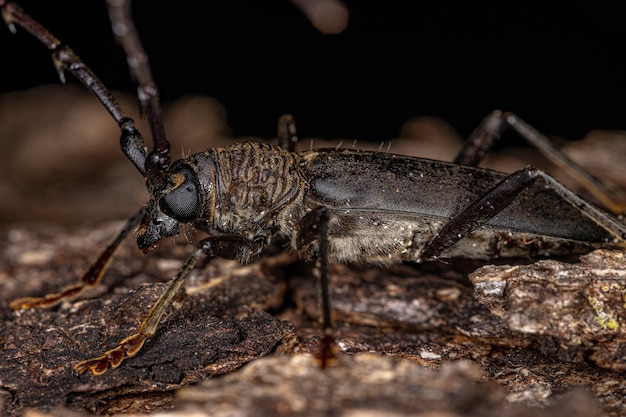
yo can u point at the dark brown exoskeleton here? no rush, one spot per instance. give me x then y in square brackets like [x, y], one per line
[337, 205]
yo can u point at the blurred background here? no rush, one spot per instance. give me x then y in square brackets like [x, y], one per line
[562, 68]
[370, 71]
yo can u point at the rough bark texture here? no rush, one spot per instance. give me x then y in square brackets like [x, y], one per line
[541, 339]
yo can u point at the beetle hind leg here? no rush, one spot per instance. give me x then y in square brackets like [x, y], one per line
[500, 196]
[494, 125]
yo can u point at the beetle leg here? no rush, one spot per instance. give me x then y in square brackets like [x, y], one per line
[499, 197]
[494, 125]
[481, 140]
[132, 344]
[547, 148]
[315, 227]
[223, 246]
[90, 278]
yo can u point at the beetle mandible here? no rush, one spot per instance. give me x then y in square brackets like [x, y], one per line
[326, 202]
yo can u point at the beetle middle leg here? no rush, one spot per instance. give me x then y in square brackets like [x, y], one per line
[314, 228]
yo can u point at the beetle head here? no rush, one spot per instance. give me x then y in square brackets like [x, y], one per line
[178, 203]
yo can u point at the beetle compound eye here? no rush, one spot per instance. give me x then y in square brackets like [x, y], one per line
[183, 202]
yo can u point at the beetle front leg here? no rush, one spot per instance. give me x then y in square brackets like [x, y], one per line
[90, 278]
[132, 344]
[223, 246]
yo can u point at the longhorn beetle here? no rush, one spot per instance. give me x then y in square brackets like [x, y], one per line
[332, 205]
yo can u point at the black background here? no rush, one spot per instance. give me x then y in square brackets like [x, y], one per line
[562, 67]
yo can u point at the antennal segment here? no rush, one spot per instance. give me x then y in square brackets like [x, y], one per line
[147, 91]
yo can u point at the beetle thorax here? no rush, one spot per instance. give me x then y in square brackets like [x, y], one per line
[253, 183]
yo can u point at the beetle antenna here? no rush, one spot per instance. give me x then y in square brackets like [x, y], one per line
[65, 59]
[126, 34]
